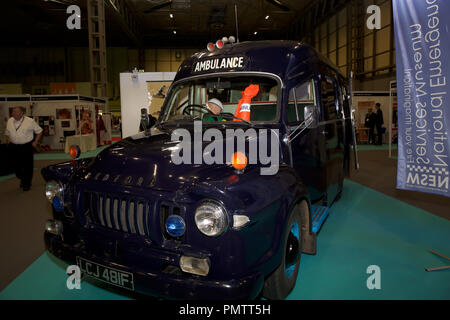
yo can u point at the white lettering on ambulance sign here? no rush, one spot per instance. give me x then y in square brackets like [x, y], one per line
[219, 64]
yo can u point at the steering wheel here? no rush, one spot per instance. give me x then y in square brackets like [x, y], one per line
[226, 115]
[181, 105]
[193, 107]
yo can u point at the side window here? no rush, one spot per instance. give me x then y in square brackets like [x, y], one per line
[299, 97]
[329, 99]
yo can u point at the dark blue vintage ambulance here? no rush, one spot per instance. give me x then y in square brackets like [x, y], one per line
[134, 218]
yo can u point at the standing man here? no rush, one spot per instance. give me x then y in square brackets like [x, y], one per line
[370, 124]
[20, 132]
[379, 123]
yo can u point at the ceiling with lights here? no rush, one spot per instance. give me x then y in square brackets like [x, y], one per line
[156, 22]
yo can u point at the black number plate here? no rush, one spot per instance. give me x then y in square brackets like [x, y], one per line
[110, 275]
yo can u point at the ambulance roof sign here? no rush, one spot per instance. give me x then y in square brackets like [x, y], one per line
[218, 64]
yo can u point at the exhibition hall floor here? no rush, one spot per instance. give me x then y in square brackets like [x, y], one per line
[366, 227]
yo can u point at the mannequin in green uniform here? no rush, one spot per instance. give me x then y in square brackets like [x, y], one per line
[215, 107]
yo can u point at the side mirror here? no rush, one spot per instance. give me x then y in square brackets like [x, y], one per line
[311, 116]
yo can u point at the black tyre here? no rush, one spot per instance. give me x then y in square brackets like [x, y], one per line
[281, 282]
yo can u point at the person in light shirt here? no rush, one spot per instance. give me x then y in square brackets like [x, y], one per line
[20, 131]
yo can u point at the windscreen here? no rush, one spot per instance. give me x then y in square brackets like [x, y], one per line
[217, 98]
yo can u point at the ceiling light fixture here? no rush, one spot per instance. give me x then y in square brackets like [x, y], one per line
[267, 17]
[255, 33]
[171, 16]
[174, 31]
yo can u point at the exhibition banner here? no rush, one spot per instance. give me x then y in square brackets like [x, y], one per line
[423, 75]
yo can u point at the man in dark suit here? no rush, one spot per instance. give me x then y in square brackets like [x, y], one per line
[370, 124]
[379, 123]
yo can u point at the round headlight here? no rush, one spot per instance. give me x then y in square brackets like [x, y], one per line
[52, 189]
[211, 218]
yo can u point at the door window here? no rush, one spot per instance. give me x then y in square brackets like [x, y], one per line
[329, 99]
[345, 102]
[299, 97]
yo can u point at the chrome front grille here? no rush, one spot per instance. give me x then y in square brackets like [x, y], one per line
[129, 215]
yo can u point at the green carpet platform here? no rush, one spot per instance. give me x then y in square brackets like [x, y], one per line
[364, 228]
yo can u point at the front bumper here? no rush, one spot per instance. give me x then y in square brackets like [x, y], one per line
[147, 266]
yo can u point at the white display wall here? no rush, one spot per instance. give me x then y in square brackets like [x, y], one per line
[134, 96]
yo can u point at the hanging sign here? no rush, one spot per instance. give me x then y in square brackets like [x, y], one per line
[423, 88]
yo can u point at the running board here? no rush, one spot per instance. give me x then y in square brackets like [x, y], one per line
[318, 214]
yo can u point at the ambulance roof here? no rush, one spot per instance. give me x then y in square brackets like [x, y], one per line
[286, 59]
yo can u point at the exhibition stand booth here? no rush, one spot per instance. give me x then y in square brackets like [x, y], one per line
[65, 119]
[365, 101]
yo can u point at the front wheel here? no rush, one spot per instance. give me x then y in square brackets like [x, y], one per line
[281, 282]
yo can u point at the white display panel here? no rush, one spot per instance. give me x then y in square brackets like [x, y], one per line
[134, 97]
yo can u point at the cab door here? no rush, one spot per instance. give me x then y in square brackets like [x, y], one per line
[331, 143]
[304, 137]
